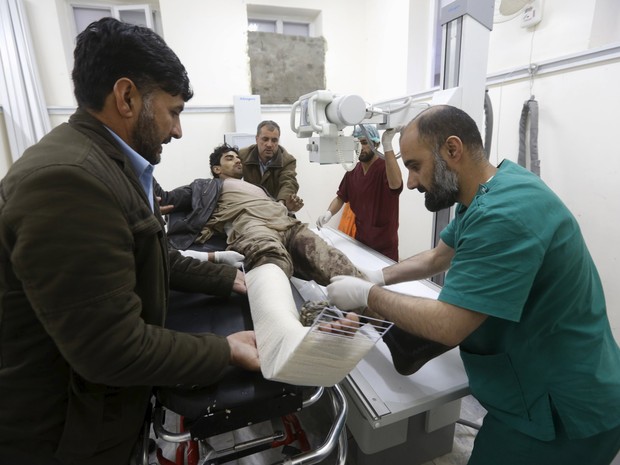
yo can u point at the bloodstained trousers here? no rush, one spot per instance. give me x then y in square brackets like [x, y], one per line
[297, 251]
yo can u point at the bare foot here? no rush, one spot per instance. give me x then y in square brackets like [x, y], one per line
[346, 326]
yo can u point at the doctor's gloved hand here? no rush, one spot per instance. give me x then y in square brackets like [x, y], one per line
[387, 137]
[374, 276]
[348, 293]
[229, 257]
[323, 219]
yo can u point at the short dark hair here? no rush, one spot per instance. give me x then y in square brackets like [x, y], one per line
[108, 50]
[439, 122]
[271, 125]
[216, 156]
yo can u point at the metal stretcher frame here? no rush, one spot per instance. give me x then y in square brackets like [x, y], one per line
[209, 415]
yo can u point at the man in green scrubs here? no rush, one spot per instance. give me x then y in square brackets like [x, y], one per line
[522, 299]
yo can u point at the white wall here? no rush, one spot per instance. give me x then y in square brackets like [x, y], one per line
[53, 49]
[380, 50]
[211, 42]
[565, 29]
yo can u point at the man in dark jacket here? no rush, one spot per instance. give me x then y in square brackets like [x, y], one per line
[269, 165]
[86, 267]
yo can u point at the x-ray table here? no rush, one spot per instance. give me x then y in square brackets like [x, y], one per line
[393, 417]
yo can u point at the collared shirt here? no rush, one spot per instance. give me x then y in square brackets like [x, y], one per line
[263, 166]
[142, 168]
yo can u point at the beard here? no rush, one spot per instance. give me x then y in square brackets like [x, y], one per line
[145, 137]
[365, 156]
[365, 152]
[445, 189]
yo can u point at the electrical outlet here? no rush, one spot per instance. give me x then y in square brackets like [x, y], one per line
[532, 14]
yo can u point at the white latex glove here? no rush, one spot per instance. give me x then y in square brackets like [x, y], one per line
[348, 293]
[324, 218]
[229, 257]
[374, 276]
[204, 256]
[387, 137]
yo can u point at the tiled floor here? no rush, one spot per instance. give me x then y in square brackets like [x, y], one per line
[464, 436]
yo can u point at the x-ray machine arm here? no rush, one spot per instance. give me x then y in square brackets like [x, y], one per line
[322, 115]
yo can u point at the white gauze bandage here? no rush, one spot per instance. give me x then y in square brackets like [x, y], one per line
[290, 352]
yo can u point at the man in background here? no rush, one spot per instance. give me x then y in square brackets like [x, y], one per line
[372, 190]
[269, 165]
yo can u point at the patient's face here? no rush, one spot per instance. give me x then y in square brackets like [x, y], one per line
[230, 166]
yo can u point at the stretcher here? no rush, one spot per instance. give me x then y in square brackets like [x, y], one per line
[239, 399]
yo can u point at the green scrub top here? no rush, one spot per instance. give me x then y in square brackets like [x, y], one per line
[521, 259]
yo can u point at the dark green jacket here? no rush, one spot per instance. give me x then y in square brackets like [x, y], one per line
[84, 278]
[280, 179]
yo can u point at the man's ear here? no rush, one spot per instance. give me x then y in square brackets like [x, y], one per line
[126, 97]
[455, 148]
[216, 170]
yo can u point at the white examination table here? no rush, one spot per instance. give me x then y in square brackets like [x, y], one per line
[393, 417]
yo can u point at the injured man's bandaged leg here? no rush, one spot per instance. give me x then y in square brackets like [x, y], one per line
[316, 260]
[290, 352]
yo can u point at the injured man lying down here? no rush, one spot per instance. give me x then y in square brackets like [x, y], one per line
[256, 225]
[274, 247]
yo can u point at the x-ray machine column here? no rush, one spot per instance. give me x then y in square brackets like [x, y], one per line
[465, 48]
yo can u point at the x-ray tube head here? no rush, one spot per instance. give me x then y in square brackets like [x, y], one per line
[346, 110]
[325, 114]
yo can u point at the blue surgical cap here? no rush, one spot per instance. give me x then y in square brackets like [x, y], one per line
[370, 130]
